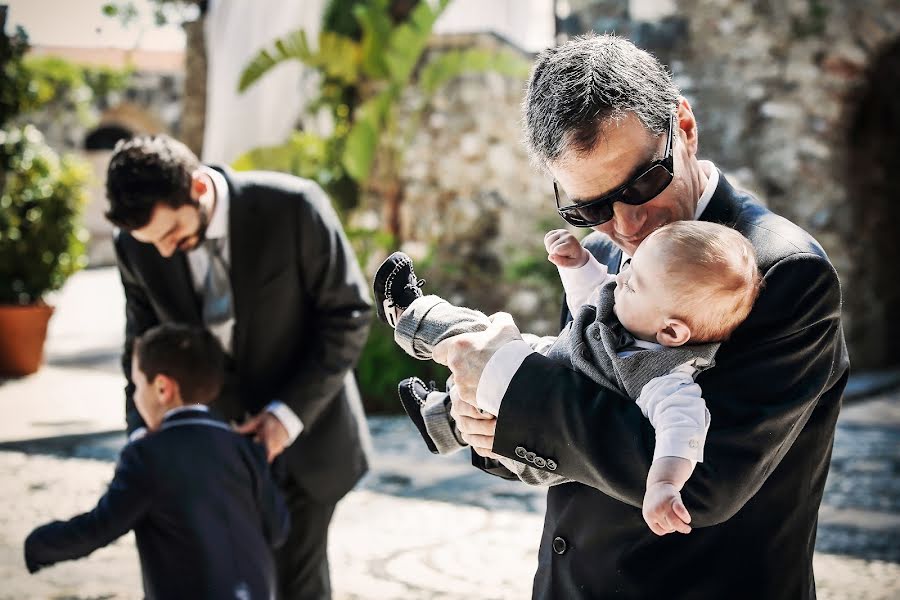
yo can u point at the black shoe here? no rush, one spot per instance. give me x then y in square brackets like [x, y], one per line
[395, 286]
[413, 393]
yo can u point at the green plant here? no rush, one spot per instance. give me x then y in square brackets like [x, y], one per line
[56, 81]
[40, 241]
[363, 82]
[41, 195]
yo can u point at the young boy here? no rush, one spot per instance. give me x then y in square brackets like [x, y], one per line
[199, 497]
[645, 332]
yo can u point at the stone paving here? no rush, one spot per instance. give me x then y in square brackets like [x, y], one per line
[418, 526]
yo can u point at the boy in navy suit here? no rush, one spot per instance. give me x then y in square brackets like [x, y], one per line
[199, 497]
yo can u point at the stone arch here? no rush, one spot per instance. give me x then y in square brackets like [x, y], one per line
[872, 179]
[104, 137]
[121, 121]
[132, 117]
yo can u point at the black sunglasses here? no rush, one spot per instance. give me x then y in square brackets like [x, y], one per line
[640, 190]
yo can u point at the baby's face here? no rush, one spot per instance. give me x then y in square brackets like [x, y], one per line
[643, 292]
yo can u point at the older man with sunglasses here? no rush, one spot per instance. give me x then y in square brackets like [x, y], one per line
[605, 120]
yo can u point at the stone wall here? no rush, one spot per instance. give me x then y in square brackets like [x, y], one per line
[475, 209]
[771, 84]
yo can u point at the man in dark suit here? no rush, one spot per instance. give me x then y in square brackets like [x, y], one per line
[261, 260]
[198, 496]
[596, 112]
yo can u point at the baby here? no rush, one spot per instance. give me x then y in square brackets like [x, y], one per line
[646, 332]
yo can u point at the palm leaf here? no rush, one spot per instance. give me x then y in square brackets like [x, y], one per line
[338, 57]
[292, 46]
[450, 65]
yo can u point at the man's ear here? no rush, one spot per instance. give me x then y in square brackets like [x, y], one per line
[674, 332]
[199, 184]
[166, 389]
[688, 125]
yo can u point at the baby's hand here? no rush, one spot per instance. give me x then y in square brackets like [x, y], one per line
[564, 249]
[664, 511]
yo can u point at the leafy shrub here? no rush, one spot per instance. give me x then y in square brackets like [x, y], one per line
[41, 197]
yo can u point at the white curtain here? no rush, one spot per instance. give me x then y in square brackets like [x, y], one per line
[529, 24]
[263, 115]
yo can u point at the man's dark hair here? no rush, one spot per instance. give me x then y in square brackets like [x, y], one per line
[145, 171]
[580, 86]
[190, 355]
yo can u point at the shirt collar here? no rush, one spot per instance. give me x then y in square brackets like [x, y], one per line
[712, 182]
[180, 409]
[217, 228]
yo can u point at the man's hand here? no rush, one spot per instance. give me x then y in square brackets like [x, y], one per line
[664, 511]
[477, 428]
[268, 431]
[564, 250]
[467, 354]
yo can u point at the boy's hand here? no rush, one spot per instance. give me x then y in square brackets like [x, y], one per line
[564, 250]
[664, 511]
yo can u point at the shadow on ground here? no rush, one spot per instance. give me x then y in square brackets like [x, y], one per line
[864, 481]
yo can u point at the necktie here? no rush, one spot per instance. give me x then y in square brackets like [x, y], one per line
[218, 310]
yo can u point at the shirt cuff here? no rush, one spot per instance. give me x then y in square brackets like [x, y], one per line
[287, 418]
[683, 442]
[498, 374]
[137, 434]
[580, 283]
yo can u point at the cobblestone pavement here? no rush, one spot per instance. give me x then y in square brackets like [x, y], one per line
[408, 530]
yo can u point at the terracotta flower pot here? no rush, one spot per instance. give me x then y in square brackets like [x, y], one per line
[22, 333]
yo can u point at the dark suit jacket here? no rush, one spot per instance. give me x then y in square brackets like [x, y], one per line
[203, 507]
[302, 314]
[774, 398]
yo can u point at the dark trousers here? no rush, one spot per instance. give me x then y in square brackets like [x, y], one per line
[302, 561]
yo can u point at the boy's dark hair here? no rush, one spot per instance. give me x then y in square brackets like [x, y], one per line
[192, 356]
[145, 171]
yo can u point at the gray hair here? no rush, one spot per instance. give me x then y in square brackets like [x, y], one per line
[576, 88]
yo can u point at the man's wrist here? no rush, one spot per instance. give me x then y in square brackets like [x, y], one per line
[498, 373]
[288, 419]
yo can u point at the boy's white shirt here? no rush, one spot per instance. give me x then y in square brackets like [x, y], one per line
[673, 402]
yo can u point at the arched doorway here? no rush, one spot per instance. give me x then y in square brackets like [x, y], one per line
[873, 193]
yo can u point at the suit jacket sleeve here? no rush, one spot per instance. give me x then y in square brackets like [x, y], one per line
[139, 317]
[768, 380]
[128, 498]
[340, 302]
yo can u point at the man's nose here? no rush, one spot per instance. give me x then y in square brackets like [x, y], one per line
[628, 220]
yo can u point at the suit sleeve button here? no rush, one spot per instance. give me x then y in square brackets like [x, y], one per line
[530, 456]
[520, 451]
[559, 545]
[540, 462]
[551, 464]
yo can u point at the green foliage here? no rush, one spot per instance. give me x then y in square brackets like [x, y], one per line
[54, 80]
[16, 93]
[40, 241]
[383, 365]
[455, 63]
[337, 57]
[380, 65]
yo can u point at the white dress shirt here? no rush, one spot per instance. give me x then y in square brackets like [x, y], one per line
[199, 260]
